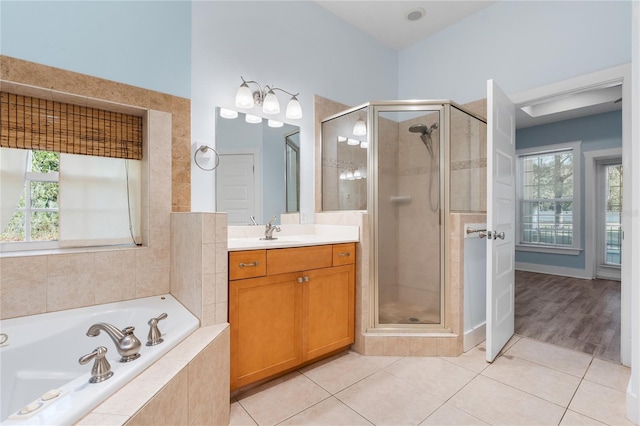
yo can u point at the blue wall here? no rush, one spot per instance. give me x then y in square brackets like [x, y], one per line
[520, 44]
[602, 131]
[141, 43]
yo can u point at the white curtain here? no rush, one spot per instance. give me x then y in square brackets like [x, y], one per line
[93, 201]
[13, 170]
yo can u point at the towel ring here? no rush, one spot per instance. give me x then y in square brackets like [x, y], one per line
[203, 149]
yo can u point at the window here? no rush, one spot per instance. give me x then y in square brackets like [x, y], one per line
[70, 175]
[36, 215]
[52, 200]
[549, 198]
[613, 216]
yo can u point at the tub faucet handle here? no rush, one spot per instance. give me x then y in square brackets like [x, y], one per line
[101, 369]
[155, 337]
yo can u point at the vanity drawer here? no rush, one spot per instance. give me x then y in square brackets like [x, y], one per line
[247, 264]
[344, 254]
[297, 259]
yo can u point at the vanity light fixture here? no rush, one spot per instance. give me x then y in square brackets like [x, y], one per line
[343, 176]
[353, 141]
[274, 123]
[266, 98]
[360, 128]
[228, 113]
[356, 174]
[350, 175]
[364, 144]
[342, 139]
[253, 119]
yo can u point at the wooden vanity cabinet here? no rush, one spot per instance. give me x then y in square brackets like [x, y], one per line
[301, 308]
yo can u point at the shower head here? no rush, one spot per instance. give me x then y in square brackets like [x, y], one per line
[425, 134]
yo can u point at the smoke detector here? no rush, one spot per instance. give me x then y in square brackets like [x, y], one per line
[415, 14]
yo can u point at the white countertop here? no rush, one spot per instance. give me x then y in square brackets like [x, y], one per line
[248, 237]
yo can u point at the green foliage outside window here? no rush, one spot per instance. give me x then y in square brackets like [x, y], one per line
[42, 215]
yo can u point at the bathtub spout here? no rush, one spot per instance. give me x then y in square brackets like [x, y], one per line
[127, 344]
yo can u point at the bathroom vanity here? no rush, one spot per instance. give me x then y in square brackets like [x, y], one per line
[288, 306]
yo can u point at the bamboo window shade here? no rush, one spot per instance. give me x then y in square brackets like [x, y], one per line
[40, 124]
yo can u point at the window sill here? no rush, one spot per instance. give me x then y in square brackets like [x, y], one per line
[68, 250]
[569, 251]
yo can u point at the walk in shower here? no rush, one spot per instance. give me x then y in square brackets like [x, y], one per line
[394, 170]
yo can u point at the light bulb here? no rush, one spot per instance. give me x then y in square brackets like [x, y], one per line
[353, 141]
[270, 105]
[228, 113]
[342, 139]
[360, 128]
[252, 119]
[294, 110]
[244, 97]
[274, 123]
[364, 144]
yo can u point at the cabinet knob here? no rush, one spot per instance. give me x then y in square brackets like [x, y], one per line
[300, 280]
[242, 265]
[306, 279]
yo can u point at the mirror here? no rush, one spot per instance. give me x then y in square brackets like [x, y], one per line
[259, 170]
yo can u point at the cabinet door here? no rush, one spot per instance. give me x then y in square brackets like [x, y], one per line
[266, 332]
[328, 312]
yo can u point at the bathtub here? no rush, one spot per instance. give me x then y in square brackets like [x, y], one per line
[41, 354]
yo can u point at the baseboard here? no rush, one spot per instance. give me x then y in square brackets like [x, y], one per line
[553, 270]
[633, 405]
[474, 337]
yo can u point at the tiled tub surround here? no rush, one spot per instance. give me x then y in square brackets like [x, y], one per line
[27, 374]
[188, 386]
[53, 280]
[199, 264]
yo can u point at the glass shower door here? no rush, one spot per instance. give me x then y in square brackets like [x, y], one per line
[409, 230]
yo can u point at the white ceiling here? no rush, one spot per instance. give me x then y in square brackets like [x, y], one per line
[385, 20]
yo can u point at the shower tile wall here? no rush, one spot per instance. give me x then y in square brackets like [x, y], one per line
[468, 161]
[388, 228]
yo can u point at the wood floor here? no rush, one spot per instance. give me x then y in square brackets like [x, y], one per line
[583, 315]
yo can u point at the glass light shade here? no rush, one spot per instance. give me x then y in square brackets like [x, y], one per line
[342, 139]
[253, 119]
[363, 172]
[274, 123]
[360, 128]
[270, 105]
[343, 176]
[350, 175]
[353, 141]
[357, 175]
[228, 113]
[294, 110]
[364, 144]
[244, 97]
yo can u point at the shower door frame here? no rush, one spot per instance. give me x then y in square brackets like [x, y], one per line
[443, 107]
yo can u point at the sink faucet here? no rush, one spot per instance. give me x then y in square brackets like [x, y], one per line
[127, 344]
[269, 228]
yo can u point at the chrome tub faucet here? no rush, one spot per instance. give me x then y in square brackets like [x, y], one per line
[127, 344]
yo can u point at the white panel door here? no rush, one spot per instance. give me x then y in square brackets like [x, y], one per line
[235, 188]
[501, 218]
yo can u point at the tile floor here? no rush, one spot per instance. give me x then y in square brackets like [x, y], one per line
[530, 383]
